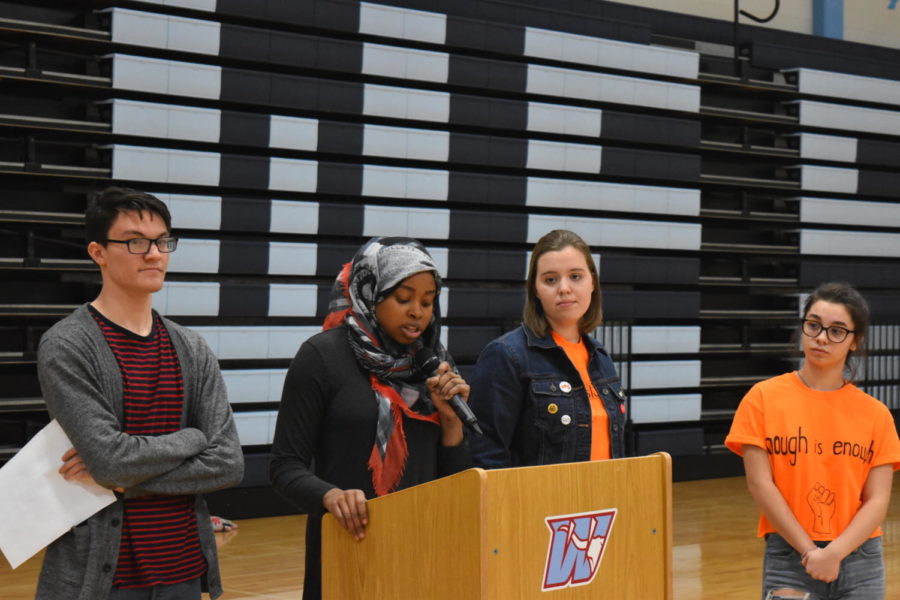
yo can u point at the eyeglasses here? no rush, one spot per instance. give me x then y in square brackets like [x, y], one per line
[164, 244]
[834, 333]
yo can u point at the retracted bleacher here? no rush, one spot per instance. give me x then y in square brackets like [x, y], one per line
[283, 135]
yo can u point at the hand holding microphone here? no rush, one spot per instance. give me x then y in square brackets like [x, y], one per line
[429, 364]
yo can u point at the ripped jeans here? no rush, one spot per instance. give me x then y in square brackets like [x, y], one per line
[861, 576]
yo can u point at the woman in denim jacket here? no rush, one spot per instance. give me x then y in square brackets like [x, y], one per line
[547, 392]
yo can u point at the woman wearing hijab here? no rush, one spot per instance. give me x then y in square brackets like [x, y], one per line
[357, 419]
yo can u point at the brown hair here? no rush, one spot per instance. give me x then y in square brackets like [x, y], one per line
[846, 295]
[533, 314]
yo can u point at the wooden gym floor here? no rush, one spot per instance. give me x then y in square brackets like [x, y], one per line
[715, 555]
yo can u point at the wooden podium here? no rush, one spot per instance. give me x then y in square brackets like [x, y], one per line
[486, 535]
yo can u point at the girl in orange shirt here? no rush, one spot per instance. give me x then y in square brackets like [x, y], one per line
[819, 454]
[547, 392]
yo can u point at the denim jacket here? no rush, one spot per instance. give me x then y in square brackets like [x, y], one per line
[532, 405]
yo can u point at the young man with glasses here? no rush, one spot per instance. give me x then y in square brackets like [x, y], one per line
[144, 404]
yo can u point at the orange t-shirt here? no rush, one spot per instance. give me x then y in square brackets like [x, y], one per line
[578, 356]
[821, 446]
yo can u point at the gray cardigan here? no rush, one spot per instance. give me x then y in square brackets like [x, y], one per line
[82, 386]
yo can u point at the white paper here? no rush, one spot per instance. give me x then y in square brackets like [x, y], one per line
[36, 504]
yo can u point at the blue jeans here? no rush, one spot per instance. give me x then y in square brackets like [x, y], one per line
[861, 575]
[189, 590]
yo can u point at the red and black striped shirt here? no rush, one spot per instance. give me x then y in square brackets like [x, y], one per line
[160, 542]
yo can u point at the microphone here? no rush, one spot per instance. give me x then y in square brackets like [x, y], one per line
[428, 363]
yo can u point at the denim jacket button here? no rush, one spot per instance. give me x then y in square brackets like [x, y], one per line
[552, 387]
[615, 426]
[605, 391]
[565, 419]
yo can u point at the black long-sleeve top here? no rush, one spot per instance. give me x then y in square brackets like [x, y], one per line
[325, 433]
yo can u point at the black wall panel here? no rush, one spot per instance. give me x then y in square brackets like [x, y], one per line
[339, 179]
[245, 214]
[242, 128]
[486, 189]
[242, 257]
[242, 171]
[243, 300]
[877, 152]
[488, 112]
[500, 227]
[340, 219]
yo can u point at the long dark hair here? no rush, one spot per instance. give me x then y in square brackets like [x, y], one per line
[839, 292]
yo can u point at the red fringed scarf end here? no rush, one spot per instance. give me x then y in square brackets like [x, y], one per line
[386, 473]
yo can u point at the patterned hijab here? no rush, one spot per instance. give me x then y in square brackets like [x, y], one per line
[379, 266]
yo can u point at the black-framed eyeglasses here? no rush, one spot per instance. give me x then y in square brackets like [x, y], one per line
[164, 244]
[834, 333]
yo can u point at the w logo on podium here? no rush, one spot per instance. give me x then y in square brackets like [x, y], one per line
[576, 547]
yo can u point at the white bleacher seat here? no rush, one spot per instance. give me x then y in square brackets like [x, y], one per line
[292, 174]
[849, 212]
[652, 374]
[165, 165]
[569, 120]
[849, 243]
[152, 119]
[848, 118]
[828, 147]
[666, 408]
[829, 179]
[294, 133]
[193, 211]
[405, 103]
[403, 142]
[421, 223]
[602, 195]
[601, 87]
[256, 342]
[292, 300]
[256, 428]
[403, 182]
[619, 232]
[187, 298]
[289, 216]
[145, 74]
[254, 385]
[613, 54]
[287, 258]
[844, 85]
[405, 63]
[195, 256]
[206, 5]
[402, 23]
[564, 156]
[154, 30]
[665, 339]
